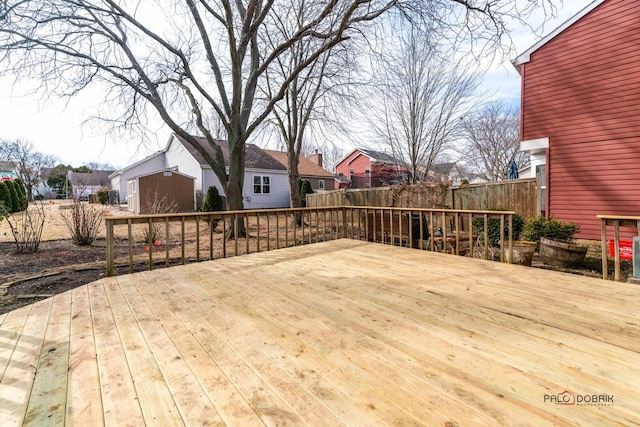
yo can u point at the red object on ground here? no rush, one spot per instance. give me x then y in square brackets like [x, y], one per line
[626, 249]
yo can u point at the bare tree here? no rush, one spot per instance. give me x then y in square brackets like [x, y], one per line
[313, 98]
[492, 141]
[423, 96]
[332, 154]
[28, 163]
[186, 59]
[181, 58]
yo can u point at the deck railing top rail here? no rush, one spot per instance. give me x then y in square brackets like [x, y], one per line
[275, 228]
[143, 219]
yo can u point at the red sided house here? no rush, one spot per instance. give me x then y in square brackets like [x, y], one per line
[364, 168]
[580, 114]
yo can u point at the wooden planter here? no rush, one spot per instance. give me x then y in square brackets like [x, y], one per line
[522, 252]
[562, 253]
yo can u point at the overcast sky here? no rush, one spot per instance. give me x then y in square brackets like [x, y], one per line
[56, 128]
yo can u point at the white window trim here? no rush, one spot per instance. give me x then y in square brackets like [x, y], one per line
[262, 184]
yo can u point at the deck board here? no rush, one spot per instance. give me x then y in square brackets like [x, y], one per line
[336, 333]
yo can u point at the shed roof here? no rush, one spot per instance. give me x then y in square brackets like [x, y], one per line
[525, 57]
[172, 170]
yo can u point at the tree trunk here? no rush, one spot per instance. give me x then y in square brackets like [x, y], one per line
[294, 182]
[234, 185]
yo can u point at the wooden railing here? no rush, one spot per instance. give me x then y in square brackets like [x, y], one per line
[616, 222]
[184, 237]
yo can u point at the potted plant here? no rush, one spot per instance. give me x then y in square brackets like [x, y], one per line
[557, 245]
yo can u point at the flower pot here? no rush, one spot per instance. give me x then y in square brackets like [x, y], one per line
[522, 252]
[561, 253]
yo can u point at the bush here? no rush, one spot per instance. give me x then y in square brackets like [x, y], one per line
[5, 196]
[14, 199]
[213, 203]
[23, 201]
[541, 226]
[83, 222]
[493, 226]
[102, 196]
[305, 188]
[157, 203]
[26, 228]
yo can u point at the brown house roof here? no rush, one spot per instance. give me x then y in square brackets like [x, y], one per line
[99, 178]
[256, 157]
[305, 166]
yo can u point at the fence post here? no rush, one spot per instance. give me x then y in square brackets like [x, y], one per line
[110, 251]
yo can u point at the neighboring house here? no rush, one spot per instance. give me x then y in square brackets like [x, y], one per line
[580, 114]
[265, 179]
[7, 171]
[167, 187]
[447, 173]
[85, 185]
[120, 178]
[366, 168]
[309, 169]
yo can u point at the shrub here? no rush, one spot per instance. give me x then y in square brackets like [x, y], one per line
[83, 222]
[213, 203]
[541, 226]
[14, 199]
[23, 201]
[5, 196]
[305, 188]
[493, 226]
[102, 196]
[26, 228]
[157, 203]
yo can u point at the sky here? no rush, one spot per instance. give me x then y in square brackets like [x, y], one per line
[56, 127]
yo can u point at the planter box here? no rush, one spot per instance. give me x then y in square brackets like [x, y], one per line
[522, 252]
[562, 253]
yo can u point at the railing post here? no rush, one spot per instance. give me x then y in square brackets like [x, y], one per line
[616, 243]
[502, 242]
[344, 222]
[150, 243]
[110, 250]
[603, 242]
[510, 239]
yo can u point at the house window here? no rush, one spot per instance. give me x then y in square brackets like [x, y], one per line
[367, 173]
[351, 172]
[261, 184]
[321, 184]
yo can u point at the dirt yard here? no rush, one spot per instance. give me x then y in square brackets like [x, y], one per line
[59, 265]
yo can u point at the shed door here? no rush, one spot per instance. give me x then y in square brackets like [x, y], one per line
[131, 195]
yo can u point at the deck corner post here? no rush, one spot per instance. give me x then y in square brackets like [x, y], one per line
[603, 243]
[110, 251]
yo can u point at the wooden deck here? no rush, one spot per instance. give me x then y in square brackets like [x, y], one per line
[344, 332]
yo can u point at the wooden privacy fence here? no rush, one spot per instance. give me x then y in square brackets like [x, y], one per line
[184, 237]
[520, 195]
